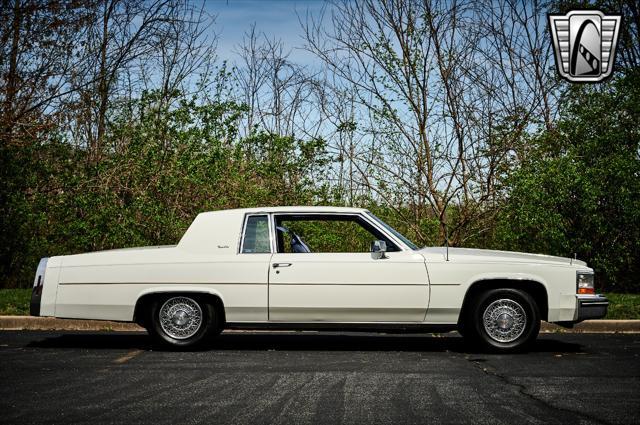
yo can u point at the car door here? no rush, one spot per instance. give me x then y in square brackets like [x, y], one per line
[347, 286]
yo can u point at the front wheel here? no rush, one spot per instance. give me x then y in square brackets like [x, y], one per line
[181, 321]
[503, 320]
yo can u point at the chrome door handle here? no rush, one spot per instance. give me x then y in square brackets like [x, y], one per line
[275, 265]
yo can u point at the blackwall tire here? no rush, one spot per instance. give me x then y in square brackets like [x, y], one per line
[503, 320]
[182, 321]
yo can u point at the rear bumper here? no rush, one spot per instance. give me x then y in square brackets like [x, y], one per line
[591, 307]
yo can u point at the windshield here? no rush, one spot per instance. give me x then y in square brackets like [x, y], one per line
[394, 232]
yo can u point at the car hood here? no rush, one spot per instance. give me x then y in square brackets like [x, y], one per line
[469, 255]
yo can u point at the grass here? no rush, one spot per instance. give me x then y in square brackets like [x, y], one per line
[15, 302]
[623, 306]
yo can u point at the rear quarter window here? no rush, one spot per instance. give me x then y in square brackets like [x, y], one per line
[255, 239]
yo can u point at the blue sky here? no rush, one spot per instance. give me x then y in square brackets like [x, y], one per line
[276, 18]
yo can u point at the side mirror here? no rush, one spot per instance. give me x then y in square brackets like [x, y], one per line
[378, 250]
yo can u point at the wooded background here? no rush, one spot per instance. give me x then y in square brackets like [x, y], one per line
[119, 124]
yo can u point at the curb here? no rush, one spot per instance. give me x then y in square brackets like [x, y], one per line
[29, 323]
[596, 326]
[16, 323]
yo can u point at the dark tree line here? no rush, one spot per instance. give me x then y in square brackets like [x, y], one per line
[119, 123]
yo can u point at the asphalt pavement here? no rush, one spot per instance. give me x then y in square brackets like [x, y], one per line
[317, 378]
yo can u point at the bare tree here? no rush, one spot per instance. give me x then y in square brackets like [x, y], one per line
[252, 74]
[131, 46]
[38, 42]
[281, 96]
[185, 54]
[429, 89]
[630, 33]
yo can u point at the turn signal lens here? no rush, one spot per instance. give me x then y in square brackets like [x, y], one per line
[584, 281]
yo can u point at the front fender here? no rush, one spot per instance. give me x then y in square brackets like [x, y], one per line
[496, 276]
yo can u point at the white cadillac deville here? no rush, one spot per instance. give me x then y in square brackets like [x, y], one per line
[259, 268]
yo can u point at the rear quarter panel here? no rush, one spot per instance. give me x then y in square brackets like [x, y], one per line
[108, 289]
[107, 284]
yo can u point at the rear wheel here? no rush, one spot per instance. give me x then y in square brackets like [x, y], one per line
[182, 321]
[503, 320]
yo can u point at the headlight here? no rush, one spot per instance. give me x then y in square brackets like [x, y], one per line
[584, 282]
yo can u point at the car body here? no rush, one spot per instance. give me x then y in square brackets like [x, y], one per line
[237, 269]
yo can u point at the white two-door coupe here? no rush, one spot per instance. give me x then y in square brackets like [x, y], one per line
[315, 267]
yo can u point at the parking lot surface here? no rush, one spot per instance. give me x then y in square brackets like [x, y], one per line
[317, 378]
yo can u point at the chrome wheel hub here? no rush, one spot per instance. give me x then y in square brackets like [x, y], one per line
[180, 317]
[504, 320]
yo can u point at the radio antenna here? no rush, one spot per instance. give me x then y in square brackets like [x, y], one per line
[446, 240]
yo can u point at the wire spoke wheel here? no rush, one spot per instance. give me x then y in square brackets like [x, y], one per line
[180, 317]
[504, 320]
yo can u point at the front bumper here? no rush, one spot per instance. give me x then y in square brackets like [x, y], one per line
[591, 307]
[38, 285]
[36, 299]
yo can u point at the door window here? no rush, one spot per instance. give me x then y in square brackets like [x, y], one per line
[326, 234]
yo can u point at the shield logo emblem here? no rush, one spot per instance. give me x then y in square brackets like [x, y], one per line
[584, 42]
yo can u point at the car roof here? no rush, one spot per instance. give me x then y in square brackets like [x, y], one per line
[295, 209]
